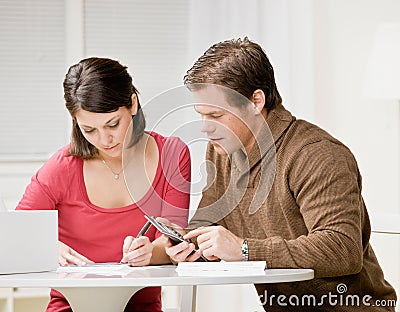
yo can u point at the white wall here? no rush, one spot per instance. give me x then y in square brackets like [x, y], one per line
[344, 33]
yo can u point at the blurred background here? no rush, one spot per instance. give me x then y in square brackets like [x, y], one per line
[321, 50]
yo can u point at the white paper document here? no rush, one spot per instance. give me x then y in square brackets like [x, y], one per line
[221, 268]
[106, 269]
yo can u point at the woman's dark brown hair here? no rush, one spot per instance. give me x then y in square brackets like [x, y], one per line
[238, 64]
[99, 85]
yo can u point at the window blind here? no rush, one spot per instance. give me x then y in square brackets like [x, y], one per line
[32, 64]
[150, 37]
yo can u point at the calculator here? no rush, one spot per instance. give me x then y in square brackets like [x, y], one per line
[173, 235]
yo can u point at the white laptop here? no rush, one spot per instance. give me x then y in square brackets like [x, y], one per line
[28, 241]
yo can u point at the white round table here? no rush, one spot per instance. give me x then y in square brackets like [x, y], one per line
[89, 292]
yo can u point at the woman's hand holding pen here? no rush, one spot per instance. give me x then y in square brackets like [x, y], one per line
[67, 255]
[137, 251]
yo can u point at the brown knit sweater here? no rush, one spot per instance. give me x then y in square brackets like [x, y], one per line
[314, 217]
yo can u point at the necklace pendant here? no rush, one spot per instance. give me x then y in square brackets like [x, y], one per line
[116, 176]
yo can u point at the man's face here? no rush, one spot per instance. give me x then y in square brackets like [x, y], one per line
[226, 126]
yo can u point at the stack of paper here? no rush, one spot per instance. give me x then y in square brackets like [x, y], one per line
[105, 269]
[222, 268]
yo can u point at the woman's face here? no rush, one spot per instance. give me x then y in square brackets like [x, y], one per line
[106, 131]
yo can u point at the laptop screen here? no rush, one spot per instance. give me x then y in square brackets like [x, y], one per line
[28, 241]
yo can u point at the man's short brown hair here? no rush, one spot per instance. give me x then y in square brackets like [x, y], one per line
[238, 64]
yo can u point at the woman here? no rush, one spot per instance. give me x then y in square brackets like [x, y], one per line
[99, 214]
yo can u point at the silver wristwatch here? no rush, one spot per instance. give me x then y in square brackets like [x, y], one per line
[245, 251]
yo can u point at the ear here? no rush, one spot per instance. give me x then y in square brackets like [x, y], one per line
[134, 107]
[258, 100]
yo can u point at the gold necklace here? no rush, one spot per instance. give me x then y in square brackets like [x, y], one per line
[116, 174]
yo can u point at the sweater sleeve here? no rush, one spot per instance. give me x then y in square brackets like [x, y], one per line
[324, 181]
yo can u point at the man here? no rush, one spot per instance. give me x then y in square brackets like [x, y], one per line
[312, 215]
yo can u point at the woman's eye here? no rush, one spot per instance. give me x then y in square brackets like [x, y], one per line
[88, 131]
[216, 116]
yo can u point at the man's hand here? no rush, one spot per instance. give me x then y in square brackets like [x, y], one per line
[137, 251]
[66, 255]
[216, 242]
[181, 251]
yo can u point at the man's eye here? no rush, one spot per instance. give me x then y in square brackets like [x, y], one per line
[114, 125]
[216, 116]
